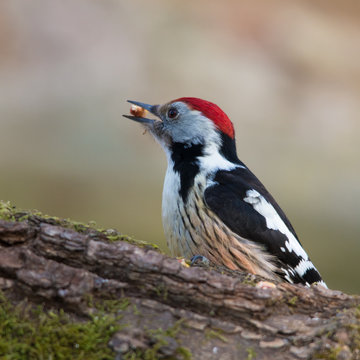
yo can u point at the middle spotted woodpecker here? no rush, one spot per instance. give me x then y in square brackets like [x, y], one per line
[213, 205]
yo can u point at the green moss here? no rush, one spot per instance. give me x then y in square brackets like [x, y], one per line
[135, 310]
[107, 305]
[184, 352]
[251, 354]
[161, 291]
[355, 330]
[215, 334]
[159, 339]
[329, 354]
[249, 280]
[38, 334]
[114, 236]
[10, 213]
[352, 329]
[6, 211]
[293, 301]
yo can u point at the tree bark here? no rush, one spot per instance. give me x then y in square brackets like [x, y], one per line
[176, 311]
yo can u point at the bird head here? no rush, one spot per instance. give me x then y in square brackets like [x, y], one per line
[188, 120]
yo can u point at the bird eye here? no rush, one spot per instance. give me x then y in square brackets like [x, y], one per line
[172, 113]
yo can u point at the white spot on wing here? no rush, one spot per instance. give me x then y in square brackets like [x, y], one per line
[322, 283]
[303, 266]
[274, 221]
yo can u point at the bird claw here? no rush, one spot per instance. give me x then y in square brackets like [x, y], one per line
[199, 260]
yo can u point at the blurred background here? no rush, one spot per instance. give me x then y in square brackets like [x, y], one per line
[286, 73]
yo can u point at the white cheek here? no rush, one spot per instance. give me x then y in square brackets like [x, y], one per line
[213, 160]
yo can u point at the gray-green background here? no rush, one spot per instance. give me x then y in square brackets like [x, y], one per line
[287, 74]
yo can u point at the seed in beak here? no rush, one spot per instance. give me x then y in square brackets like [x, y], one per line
[137, 111]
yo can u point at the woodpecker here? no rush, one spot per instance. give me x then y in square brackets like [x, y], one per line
[212, 204]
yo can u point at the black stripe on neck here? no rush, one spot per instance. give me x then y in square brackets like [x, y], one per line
[228, 149]
[185, 159]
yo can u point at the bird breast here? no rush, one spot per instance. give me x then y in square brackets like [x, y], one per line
[193, 229]
[179, 219]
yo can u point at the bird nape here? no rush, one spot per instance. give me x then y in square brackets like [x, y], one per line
[213, 205]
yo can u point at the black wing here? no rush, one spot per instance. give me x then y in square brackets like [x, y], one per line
[226, 199]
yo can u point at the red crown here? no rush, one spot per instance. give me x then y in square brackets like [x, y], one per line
[211, 111]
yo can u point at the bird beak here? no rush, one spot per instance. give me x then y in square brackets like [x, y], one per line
[153, 109]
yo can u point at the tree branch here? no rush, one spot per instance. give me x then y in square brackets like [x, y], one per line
[173, 311]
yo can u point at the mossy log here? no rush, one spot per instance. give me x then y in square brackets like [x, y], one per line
[63, 280]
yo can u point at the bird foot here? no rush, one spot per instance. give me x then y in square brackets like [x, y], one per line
[199, 260]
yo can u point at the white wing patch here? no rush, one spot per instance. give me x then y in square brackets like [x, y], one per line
[303, 266]
[321, 282]
[274, 222]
